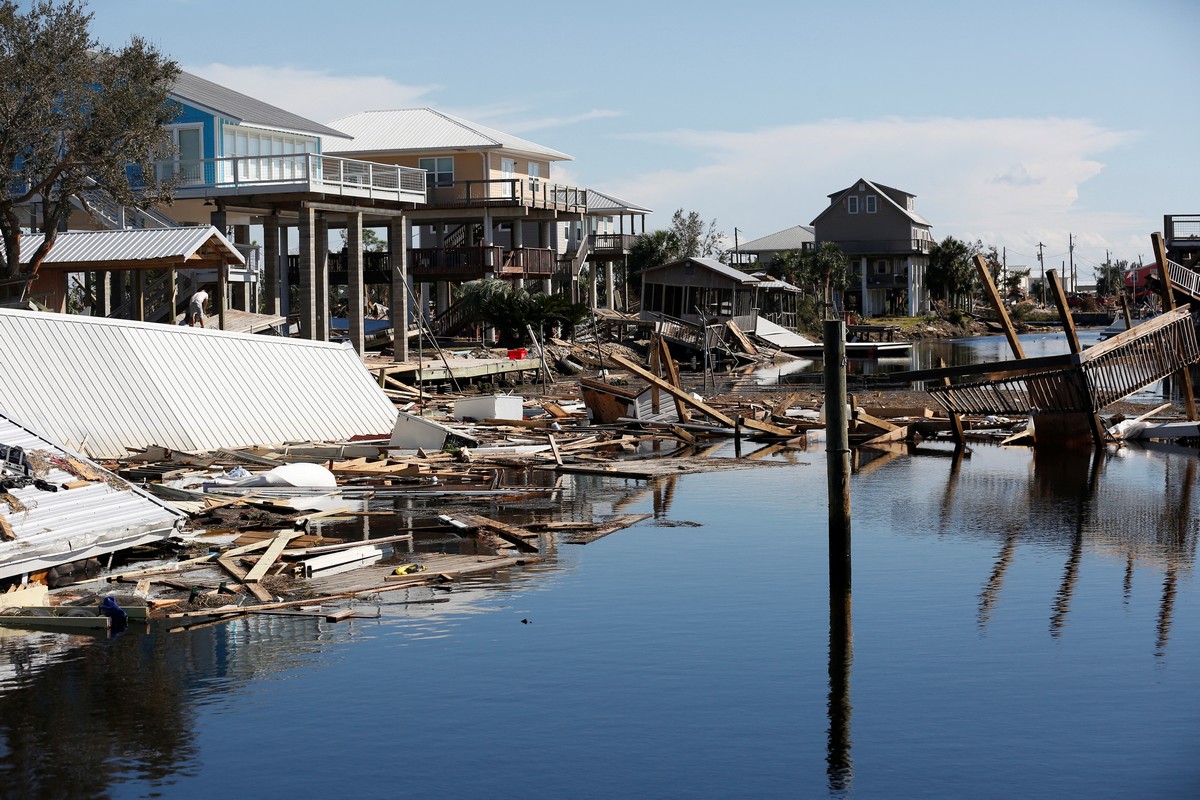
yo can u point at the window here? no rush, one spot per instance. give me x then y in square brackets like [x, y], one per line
[535, 176]
[439, 172]
[882, 267]
[263, 155]
[186, 158]
[851, 205]
[870, 204]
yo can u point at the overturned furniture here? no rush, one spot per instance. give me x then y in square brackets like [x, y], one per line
[1065, 393]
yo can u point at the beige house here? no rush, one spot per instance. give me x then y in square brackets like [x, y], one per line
[887, 243]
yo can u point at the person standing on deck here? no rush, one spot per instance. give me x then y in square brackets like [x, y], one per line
[196, 308]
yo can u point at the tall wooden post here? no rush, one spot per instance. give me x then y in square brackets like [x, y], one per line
[837, 452]
[1167, 288]
[356, 296]
[308, 273]
[1064, 311]
[398, 255]
[1010, 333]
[837, 457]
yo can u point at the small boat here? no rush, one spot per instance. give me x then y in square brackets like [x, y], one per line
[857, 349]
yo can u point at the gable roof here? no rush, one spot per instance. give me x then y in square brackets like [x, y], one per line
[199, 246]
[110, 384]
[886, 192]
[407, 129]
[712, 265]
[243, 109]
[793, 238]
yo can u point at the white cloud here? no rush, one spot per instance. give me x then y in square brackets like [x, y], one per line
[316, 95]
[1011, 182]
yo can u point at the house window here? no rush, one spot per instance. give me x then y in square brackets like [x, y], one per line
[852, 204]
[439, 172]
[870, 204]
[882, 267]
[186, 158]
[535, 177]
[263, 155]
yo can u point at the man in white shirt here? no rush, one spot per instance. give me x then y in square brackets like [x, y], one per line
[196, 307]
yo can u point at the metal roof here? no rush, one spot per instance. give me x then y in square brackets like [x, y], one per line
[105, 385]
[57, 527]
[712, 265]
[427, 129]
[793, 238]
[601, 203]
[243, 109]
[137, 244]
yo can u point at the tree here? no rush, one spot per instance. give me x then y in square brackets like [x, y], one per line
[824, 267]
[509, 309]
[73, 116]
[950, 275]
[787, 265]
[1110, 277]
[695, 240]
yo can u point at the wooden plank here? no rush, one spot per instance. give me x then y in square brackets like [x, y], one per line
[554, 449]
[741, 338]
[679, 394]
[274, 549]
[235, 569]
[668, 366]
[1010, 333]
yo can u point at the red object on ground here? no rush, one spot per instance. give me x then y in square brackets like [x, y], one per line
[518, 354]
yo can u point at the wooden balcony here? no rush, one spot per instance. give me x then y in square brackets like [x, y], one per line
[607, 245]
[529, 262]
[861, 247]
[507, 192]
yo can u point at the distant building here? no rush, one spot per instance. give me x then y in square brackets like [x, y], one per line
[761, 252]
[887, 243]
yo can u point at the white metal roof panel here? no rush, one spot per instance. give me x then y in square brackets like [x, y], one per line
[199, 91]
[427, 129]
[56, 527]
[134, 244]
[103, 385]
[599, 202]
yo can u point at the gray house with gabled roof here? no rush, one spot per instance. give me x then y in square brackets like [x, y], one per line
[887, 243]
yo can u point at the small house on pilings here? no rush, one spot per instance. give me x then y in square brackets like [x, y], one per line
[686, 296]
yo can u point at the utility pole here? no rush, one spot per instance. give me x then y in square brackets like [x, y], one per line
[1071, 255]
[1042, 266]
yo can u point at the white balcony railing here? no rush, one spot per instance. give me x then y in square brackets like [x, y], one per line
[241, 175]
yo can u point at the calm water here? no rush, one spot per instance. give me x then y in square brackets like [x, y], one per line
[1021, 627]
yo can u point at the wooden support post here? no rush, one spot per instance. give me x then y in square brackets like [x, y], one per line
[222, 293]
[956, 428]
[837, 454]
[1168, 296]
[672, 374]
[1125, 310]
[1064, 311]
[1010, 333]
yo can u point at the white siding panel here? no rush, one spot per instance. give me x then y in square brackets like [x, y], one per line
[125, 384]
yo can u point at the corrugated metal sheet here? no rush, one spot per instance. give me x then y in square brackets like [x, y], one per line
[130, 245]
[104, 385]
[243, 108]
[54, 528]
[427, 129]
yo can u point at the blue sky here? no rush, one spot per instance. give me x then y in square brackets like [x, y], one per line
[1013, 122]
